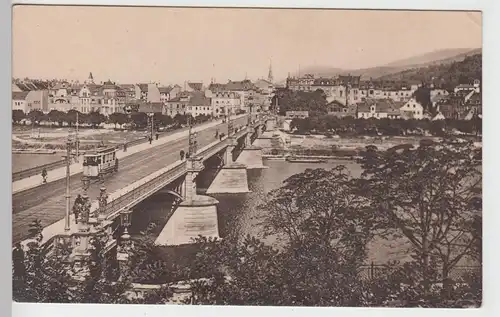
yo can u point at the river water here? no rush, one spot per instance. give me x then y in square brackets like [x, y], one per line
[239, 213]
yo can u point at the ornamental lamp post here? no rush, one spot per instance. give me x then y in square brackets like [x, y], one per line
[125, 221]
[151, 119]
[69, 141]
[124, 246]
[229, 124]
[85, 213]
[85, 184]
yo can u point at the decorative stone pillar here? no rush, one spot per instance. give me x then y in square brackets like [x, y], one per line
[83, 224]
[194, 167]
[248, 136]
[125, 246]
[233, 142]
[103, 202]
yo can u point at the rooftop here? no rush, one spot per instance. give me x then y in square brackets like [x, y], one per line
[19, 95]
[196, 86]
[381, 106]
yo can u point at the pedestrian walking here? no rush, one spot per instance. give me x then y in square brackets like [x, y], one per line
[150, 140]
[157, 135]
[18, 261]
[182, 154]
[44, 175]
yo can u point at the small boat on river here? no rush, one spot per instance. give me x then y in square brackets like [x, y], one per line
[305, 160]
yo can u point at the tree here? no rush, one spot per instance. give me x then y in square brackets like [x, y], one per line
[36, 116]
[71, 117]
[17, 115]
[423, 96]
[140, 119]
[427, 197]
[95, 118]
[47, 278]
[118, 118]
[57, 116]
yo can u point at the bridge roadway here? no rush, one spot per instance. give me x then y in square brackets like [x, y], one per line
[47, 203]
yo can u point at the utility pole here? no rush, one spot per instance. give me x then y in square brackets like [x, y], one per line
[249, 119]
[192, 139]
[77, 140]
[229, 124]
[68, 194]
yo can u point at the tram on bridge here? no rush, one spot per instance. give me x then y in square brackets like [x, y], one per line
[100, 162]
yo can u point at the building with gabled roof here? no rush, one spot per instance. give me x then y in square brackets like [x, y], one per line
[19, 100]
[378, 109]
[340, 110]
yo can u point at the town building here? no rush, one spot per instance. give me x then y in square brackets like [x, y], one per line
[341, 110]
[379, 109]
[198, 104]
[225, 102]
[19, 100]
[412, 109]
[475, 86]
[192, 87]
[164, 93]
[147, 92]
[303, 83]
[177, 105]
[297, 114]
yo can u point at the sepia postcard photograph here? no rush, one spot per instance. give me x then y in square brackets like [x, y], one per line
[246, 156]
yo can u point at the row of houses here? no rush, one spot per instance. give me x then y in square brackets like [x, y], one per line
[463, 105]
[348, 89]
[109, 97]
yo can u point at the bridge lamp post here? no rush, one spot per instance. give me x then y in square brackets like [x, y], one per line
[193, 143]
[125, 221]
[229, 124]
[77, 140]
[249, 119]
[151, 118]
[85, 184]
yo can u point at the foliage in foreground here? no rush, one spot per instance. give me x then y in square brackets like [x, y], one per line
[428, 197]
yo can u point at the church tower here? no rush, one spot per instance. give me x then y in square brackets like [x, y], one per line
[90, 80]
[270, 77]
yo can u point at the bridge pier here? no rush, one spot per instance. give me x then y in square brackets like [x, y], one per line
[196, 215]
[232, 178]
[271, 124]
[251, 155]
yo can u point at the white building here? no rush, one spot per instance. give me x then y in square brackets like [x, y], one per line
[412, 110]
[19, 101]
[225, 102]
[379, 109]
[475, 86]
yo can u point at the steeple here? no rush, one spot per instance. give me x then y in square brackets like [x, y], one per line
[270, 75]
[90, 80]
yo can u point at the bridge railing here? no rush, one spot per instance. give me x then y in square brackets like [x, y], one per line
[58, 164]
[37, 170]
[153, 182]
[143, 188]
[132, 194]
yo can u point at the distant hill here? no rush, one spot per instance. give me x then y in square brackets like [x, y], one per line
[451, 55]
[445, 56]
[447, 75]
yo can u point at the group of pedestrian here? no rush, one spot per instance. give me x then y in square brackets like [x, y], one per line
[77, 207]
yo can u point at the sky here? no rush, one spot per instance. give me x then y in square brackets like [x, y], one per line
[174, 45]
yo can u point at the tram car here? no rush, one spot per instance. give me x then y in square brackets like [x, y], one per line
[100, 162]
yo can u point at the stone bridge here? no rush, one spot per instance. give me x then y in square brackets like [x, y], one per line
[192, 214]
